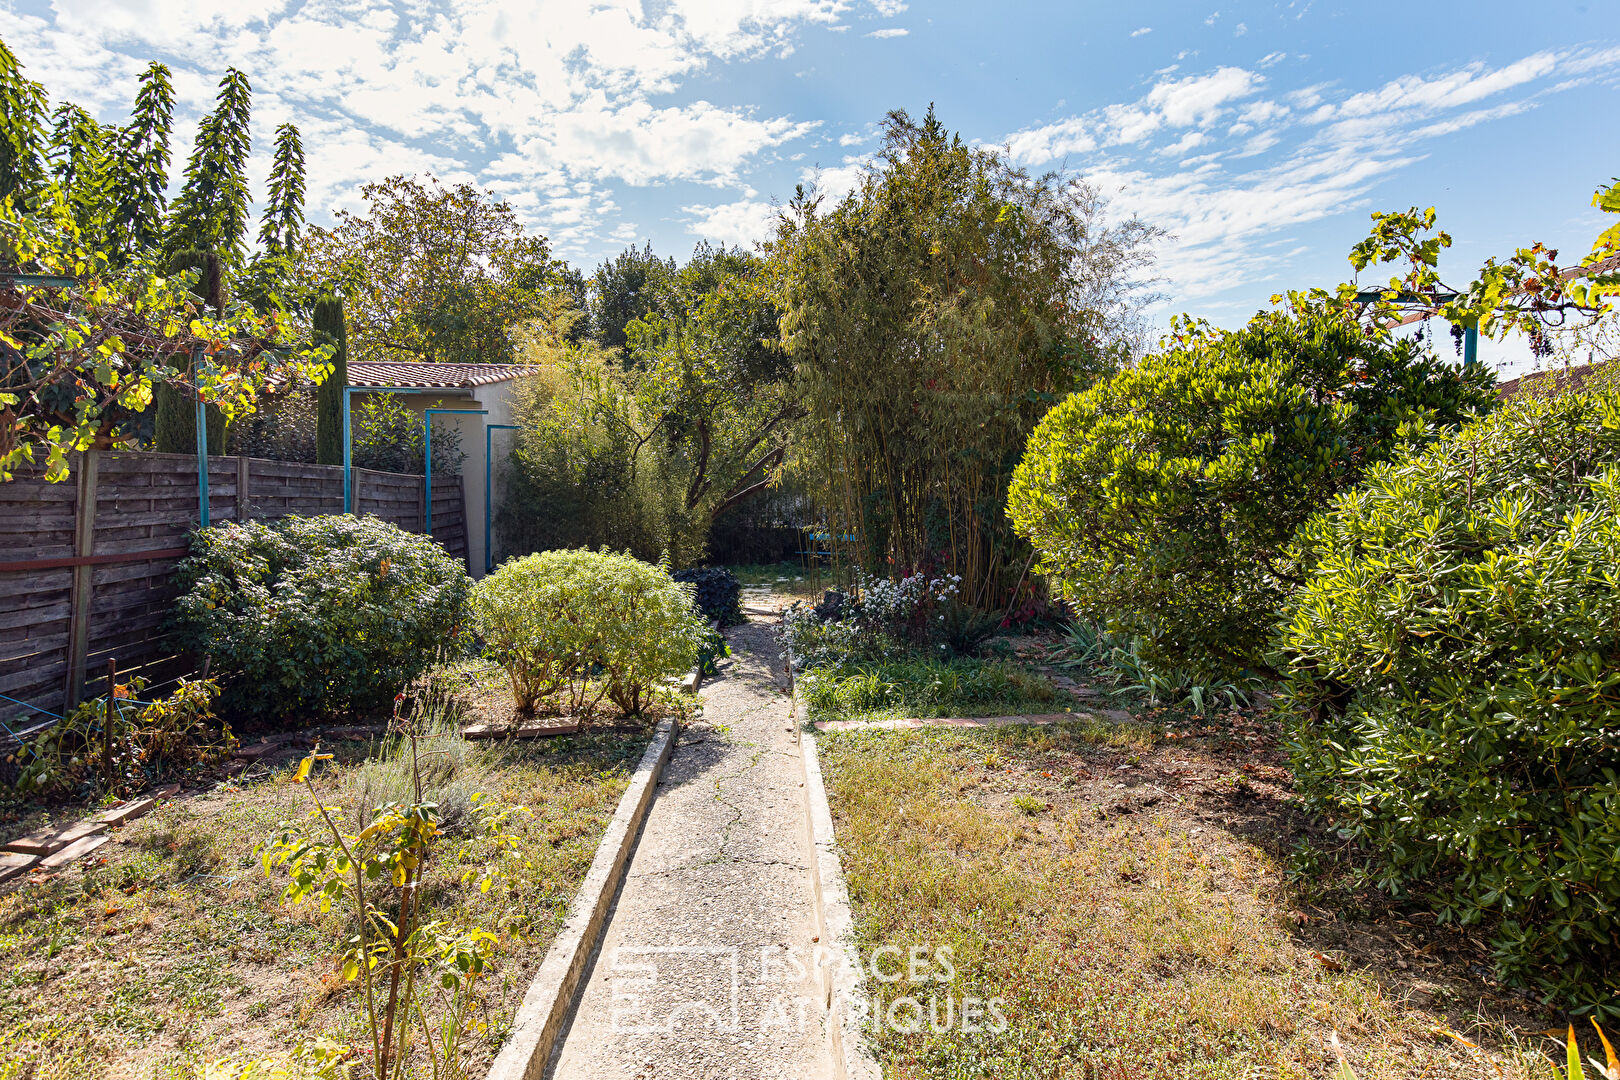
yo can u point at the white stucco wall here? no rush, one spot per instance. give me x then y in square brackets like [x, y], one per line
[497, 399]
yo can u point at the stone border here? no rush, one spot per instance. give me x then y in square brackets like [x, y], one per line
[838, 964]
[549, 1003]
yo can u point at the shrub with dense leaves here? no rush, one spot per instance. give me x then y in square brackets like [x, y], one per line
[1456, 682]
[306, 617]
[716, 591]
[1161, 500]
[587, 625]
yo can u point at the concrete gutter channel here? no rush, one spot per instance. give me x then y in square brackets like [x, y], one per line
[839, 964]
[548, 1007]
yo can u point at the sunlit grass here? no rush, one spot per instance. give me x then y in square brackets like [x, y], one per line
[1120, 946]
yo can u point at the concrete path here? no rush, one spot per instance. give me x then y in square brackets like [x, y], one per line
[705, 969]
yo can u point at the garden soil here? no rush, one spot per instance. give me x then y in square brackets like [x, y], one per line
[706, 967]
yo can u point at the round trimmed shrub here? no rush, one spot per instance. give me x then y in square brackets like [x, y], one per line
[1455, 688]
[588, 624]
[1161, 500]
[716, 591]
[307, 617]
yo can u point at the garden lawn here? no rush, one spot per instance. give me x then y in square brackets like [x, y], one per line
[787, 580]
[1126, 895]
[895, 689]
[175, 949]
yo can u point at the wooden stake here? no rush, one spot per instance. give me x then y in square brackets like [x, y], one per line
[107, 724]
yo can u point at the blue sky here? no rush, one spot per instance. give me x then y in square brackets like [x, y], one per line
[1259, 135]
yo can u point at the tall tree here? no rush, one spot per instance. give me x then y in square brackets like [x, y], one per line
[22, 128]
[83, 167]
[625, 288]
[211, 213]
[933, 316]
[434, 273]
[327, 328]
[284, 211]
[142, 180]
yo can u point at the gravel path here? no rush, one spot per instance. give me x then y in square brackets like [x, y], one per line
[706, 966]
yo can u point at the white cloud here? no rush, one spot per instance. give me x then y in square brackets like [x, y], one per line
[1272, 59]
[744, 222]
[1240, 29]
[1140, 30]
[889, 32]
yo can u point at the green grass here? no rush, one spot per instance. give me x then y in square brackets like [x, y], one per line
[178, 949]
[925, 688]
[788, 579]
[1129, 945]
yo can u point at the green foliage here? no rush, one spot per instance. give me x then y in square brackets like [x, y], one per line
[81, 152]
[645, 456]
[284, 210]
[933, 316]
[1161, 500]
[923, 687]
[435, 273]
[143, 167]
[388, 437]
[150, 743]
[1453, 674]
[307, 617]
[625, 288]
[375, 867]
[586, 625]
[327, 327]
[79, 366]
[716, 592]
[22, 129]
[211, 211]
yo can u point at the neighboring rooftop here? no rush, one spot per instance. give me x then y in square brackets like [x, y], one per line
[423, 376]
[1565, 378]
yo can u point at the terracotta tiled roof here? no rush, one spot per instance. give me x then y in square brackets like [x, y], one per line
[1570, 378]
[432, 376]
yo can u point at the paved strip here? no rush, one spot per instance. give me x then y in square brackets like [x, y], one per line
[707, 968]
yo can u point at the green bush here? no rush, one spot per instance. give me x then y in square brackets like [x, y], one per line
[1161, 500]
[306, 617]
[587, 624]
[1456, 682]
[716, 592]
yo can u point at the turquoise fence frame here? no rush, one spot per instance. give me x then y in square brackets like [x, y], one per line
[489, 463]
[427, 459]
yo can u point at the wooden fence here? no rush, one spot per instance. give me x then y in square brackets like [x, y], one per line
[86, 564]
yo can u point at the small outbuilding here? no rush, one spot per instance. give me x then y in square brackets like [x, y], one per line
[470, 387]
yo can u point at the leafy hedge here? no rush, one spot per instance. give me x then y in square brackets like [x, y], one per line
[1456, 682]
[306, 617]
[716, 591]
[1161, 500]
[587, 624]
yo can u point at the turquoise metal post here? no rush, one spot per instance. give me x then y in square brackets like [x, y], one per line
[348, 457]
[1471, 346]
[489, 461]
[427, 457]
[202, 444]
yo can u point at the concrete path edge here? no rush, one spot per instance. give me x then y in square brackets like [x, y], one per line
[549, 1001]
[840, 969]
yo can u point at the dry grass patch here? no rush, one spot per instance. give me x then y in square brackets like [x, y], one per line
[1127, 899]
[174, 948]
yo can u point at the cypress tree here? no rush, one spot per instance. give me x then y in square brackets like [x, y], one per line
[328, 329]
[174, 423]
